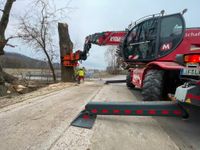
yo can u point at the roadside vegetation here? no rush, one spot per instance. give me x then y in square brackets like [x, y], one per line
[36, 29]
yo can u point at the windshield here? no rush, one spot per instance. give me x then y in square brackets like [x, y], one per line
[170, 34]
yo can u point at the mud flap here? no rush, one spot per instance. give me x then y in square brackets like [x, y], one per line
[84, 120]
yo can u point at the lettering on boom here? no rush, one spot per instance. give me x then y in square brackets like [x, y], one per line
[115, 39]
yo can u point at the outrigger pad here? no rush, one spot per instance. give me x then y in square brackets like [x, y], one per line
[87, 117]
[84, 120]
[115, 81]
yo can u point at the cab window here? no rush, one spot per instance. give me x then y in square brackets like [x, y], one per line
[171, 33]
[141, 40]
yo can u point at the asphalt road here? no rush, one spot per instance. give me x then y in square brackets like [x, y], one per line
[185, 133]
[44, 123]
[39, 122]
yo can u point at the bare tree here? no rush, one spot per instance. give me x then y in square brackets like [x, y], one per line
[3, 42]
[111, 58]
[36, 28]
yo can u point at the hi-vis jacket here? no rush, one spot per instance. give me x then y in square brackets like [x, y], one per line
[81, 73]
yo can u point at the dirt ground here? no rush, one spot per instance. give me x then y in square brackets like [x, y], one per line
[43, 122]
[12, 99]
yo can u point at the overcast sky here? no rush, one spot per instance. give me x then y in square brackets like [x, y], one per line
[91, 16]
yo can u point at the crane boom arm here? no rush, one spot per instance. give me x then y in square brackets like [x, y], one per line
[103, 38]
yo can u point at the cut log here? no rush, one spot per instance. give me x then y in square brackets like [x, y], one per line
[20, 89]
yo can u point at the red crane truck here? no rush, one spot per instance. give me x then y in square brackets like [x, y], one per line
[162, 57]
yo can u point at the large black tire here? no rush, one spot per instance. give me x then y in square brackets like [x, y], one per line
[128, 81]
[153, 85]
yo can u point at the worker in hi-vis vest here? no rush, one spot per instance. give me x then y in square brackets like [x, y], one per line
[81, 75]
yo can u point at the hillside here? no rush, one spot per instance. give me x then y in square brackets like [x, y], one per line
[16, 60]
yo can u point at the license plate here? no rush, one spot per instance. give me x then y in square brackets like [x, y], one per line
[190, 72]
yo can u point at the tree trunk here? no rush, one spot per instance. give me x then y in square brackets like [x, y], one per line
[3, 41]
[52, 70]
[66, 46]
[50, 65]
[3, 88]
[4, 23]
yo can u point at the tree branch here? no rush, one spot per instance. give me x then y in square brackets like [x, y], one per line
[2, 10]
[36, 30]
[7, 44]
[13, 37]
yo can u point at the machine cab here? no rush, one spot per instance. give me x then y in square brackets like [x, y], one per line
[153, 38]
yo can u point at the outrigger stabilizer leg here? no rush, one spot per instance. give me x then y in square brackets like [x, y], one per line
[87, 117]
[115, 81]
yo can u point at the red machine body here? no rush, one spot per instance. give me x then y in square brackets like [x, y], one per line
[150, 48]
[189, 45]
[163, 59]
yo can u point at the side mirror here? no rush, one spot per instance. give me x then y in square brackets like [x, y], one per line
[162, 12]
[184, 11]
